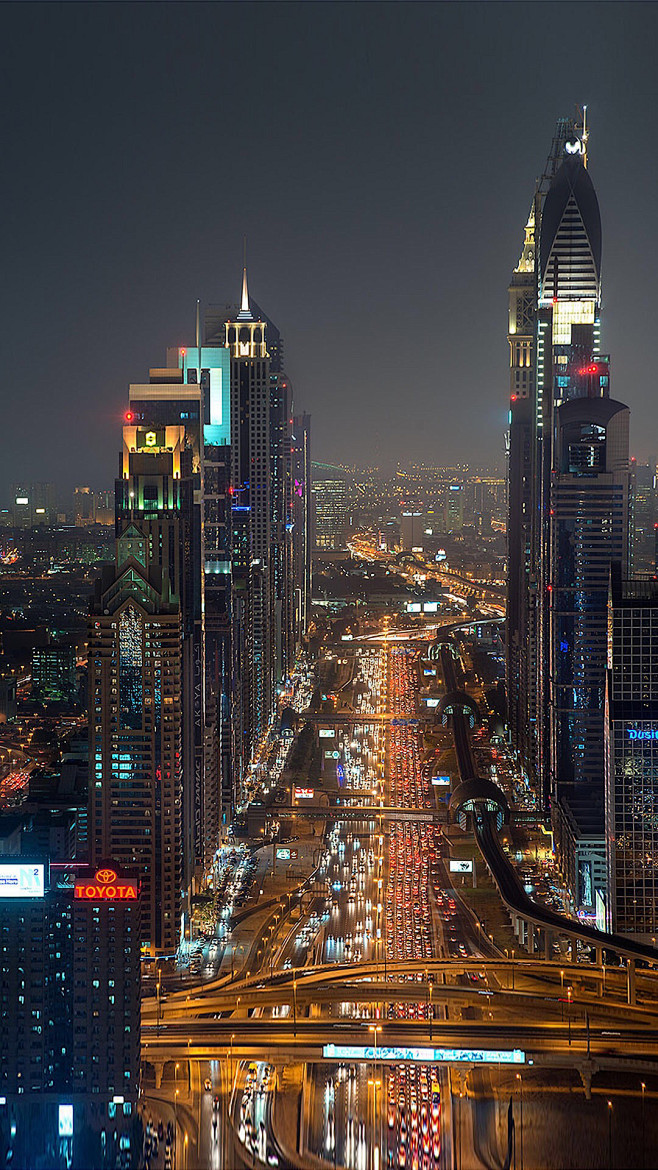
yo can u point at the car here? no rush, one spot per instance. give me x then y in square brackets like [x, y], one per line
[207, 1084]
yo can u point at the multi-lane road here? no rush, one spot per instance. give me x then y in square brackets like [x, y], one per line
[384, 954]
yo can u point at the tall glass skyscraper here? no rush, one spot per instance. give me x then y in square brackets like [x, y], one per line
[568, 504]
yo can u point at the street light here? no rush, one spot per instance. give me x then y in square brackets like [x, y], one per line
[375, 1028]
[520, 1080]
[185, 1152]
[375, 1085]
[294, 1005]
[610, 1135]
[643, 1092]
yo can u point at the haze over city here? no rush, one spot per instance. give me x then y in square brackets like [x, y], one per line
[378, 157]
[329, 587]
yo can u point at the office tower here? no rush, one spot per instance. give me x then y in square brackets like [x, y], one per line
[412, 525]
[301, 518]
[454, 508]
[524, 480]
[569, 499]
[641, 526]
[70, 1027]
[191, 393]
[135, 722]
[330, 515]
[32, 504]
[588, 531]
[262, 617]
[84, 506]
[54, 674]
[632, 758]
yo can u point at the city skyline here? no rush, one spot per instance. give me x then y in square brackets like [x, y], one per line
[329, 737]
[391, 261]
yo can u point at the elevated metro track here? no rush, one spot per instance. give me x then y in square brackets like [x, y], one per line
[500, 867]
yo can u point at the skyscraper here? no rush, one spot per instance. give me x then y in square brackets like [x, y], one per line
[631, 741]
[568, 495]
[135, 725]
[301, 519]
[330, 518]
[588, 531]
[263, 581]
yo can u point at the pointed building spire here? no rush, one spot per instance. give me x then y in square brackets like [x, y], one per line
[245, 311]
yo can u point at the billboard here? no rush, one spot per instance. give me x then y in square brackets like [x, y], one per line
[66, 1121]
[440, 781]
[424, 1055]
[326, 733]
[303, 793]
[105, 886]
[283, 853]
[21, 880]
[462, 866]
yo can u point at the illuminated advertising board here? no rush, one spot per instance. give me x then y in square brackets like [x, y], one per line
[461, 866]
[283, 853]
[21, 880]
[65, 1121]
[432, 702]
[440, 781]
[326, 733]
[304, 793]
[424, 1055]
[635, 733]
[105, 886]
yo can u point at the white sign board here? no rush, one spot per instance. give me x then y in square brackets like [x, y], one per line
[21, 881]
[460, 866]
[66, 1121]
[326, 733]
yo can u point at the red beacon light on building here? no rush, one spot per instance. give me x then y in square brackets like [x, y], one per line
[129, 416]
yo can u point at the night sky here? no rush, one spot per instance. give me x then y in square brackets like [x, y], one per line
[381, 160]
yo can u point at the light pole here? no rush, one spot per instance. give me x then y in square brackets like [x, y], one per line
[610, 1135]
[431, 1009]
[185, 1153]
[569, 1012]
[520, 1080]
[375, 1150]
[375, 1028]
[643, 1154]
[294, 1005]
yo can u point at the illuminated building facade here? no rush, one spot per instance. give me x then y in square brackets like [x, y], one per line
[54, 674]
[192, 393]
[301, 520]
[330, 506]
[632, 757]
[263, 582]
[588, 531]
[135, 726]
[568, 472]
[70, 1026]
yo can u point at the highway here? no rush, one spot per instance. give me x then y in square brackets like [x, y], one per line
[383, 956]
